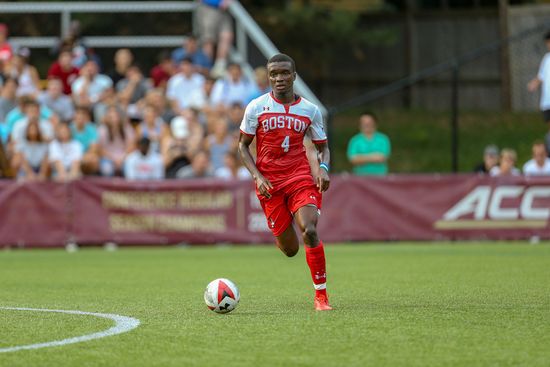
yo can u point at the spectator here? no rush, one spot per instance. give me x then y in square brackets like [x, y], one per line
[54, 99]
[539, 165]
[152, 127]
[116, 141]
[18, 113]
[6, 51]
[234, 88]
[199, 167]
[74, 42]
[123, 60]
[156, 98]
[85, 132]
[144, 163]
[31, 110]
[543, 80]
[175, 149]
[201, 99]
[163, 71]
[508, 158]
[219, 143]
[7, 99]
[215, 28]
[490, 160]
[30, 160]
[65, 155]
[232, 169]
[26, 74]
[90, 87]
[262, 83]
[196, 130]
[234, 117]
[190, 49]
[64, 70]
[369, 150]
[133, 87]
[182, 86]
[5, 169]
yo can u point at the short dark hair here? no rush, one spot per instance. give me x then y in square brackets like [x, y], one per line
[547, 36]
[84, 109]
[187, 59]
[371, 114]
[282, 58]
[144, 141]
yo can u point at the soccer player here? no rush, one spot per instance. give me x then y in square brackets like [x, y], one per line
[288, 188]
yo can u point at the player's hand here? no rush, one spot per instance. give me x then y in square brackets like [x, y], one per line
[264, 186]
[323, 180]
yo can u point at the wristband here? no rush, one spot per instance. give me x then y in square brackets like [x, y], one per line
[324, 166]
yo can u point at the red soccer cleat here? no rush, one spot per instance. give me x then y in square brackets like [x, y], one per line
[321, 303]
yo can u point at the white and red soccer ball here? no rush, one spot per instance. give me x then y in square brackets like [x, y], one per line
[221, 295]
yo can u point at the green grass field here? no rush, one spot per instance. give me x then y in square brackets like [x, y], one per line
[395, 305]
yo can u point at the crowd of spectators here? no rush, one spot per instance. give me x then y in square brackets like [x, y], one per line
[504, 163]
[88, 116]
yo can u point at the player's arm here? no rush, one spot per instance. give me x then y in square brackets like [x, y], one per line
[323, 180]
[262, 183]
[316, 132]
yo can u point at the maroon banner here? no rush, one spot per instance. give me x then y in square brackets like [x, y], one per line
[174, 211]
[417, 207]
[435, 207]
[33, 214]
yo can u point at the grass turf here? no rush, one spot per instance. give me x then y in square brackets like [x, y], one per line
[395, 305]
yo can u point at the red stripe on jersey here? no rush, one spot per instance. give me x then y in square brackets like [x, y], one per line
[319, 141]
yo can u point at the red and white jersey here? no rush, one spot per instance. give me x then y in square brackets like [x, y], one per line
[279, 130]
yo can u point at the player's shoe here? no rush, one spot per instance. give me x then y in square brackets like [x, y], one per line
[321, 303]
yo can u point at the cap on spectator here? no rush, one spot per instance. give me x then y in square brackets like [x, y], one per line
[491, 150]
[180, 127]
[23, 52]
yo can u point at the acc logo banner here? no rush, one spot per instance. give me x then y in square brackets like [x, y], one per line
[504, 207]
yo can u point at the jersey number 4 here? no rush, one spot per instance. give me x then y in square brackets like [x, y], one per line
[286, 144]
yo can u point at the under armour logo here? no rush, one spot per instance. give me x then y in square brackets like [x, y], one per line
[266, 108]
[272, 223]
[312, 197]
[317, 276]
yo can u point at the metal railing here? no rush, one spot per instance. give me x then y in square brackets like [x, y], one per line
[246, 28]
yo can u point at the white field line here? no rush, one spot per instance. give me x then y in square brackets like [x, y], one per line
[123, 324]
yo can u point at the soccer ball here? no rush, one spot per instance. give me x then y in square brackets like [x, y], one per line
[221, 295]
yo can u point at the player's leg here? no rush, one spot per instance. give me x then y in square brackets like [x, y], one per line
[279, 220]
[306, 218]
[288, 242]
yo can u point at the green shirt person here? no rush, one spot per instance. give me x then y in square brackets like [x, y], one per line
[369, 150]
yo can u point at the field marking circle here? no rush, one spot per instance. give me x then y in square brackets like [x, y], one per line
[123, 324]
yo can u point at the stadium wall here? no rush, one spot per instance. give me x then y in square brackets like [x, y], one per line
[399, 207]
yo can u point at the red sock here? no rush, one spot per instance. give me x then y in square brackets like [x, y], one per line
[315, 257]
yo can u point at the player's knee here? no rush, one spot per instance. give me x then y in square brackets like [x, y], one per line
[291, 252]
[310, 233]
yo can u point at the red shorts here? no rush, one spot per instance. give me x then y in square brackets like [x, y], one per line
[280, 208]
